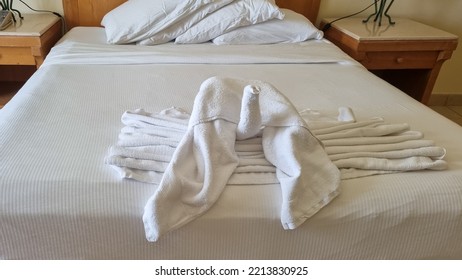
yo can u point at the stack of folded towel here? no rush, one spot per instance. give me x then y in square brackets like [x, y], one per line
[148, 140]
[371, 147]
[357, 148]
[246, 132]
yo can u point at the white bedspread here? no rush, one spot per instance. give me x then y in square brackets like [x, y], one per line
[58, 199]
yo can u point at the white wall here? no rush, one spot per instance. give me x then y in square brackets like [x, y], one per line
[444, 14]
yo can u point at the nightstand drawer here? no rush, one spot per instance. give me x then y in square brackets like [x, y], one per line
[16, 56]
[400, 60]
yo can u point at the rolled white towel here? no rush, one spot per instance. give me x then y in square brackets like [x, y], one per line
[346, 126]
[399, 164]
[140, 164]
[379, 130]
[345, 114]
[386, 139]
[137, 140]
[250, 118]
[154, 131]
[172, 119]
[162, 153]
[432, 152]
[321, 119]
[411, 144]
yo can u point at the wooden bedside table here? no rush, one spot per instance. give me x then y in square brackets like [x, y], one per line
[409, 54]
[27, 42]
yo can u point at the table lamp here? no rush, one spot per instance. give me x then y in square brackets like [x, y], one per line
[7, 5]
[380, 11]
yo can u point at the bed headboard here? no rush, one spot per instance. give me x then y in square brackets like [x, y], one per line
[90, 12]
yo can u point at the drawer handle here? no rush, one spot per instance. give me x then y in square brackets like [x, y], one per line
[400, 60]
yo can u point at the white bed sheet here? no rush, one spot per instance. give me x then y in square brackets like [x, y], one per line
[87, 46]
[60, 201]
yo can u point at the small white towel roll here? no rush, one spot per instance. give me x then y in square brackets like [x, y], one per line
[250, 118]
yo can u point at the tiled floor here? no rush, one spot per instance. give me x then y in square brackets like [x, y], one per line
[452, 111]
[7, 90]
[448, 105]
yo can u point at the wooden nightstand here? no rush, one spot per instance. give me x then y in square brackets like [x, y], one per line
[408, 55]
[26, 43]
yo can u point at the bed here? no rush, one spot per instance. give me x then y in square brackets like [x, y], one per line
[60, 199]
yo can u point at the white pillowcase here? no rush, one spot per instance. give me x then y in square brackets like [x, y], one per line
[180, 27]
[137, 20]
[238, 13]
[293, 28]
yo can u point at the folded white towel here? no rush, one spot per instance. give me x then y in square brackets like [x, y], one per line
[205, 158]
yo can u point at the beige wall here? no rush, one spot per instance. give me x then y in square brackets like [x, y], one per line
[53, 5]
[444, 14]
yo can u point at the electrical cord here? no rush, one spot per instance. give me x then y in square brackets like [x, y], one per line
[40, 11]
[47, 11]
[329, 24]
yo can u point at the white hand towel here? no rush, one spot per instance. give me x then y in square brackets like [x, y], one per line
[308, 179]
[194, 179]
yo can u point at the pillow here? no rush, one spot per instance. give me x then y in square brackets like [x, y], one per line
[293, 28]
[238, 13]
[136, 20]
[180, 27]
